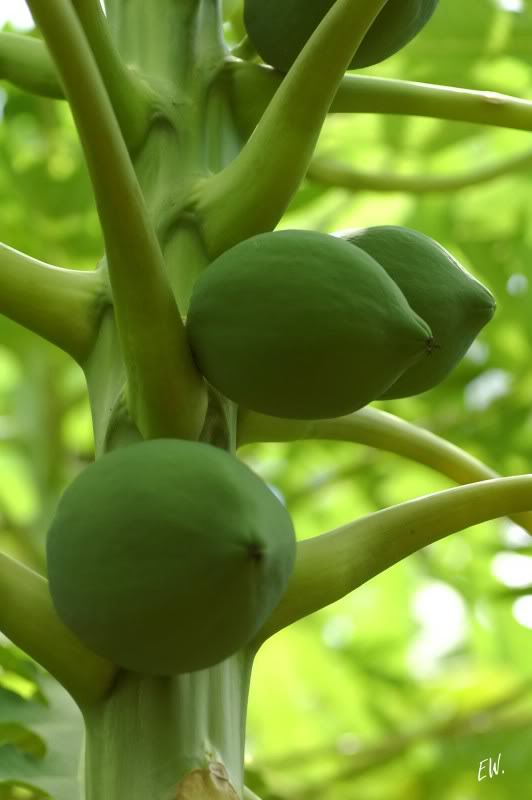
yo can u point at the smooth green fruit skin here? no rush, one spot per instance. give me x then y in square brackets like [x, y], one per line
[167, 556]
[279, 29]
[439, 289]
[299, 324]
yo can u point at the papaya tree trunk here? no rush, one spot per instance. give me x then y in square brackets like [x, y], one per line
[181, 736]
[156, 737]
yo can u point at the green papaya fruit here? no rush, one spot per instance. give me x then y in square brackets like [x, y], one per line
[454, 304]
[279, 29]
[299, 324]
[166, 556]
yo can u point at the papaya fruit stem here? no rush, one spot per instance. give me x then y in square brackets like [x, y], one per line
[332, 565]
[166, 394]
[29, 620]
[129, 95]
[253, 86]
[334, 174]
[25, 62]
[61, 305]
[244, 50]
[231, 207]
[375, 428]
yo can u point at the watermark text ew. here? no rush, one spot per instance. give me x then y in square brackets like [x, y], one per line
[490, 768]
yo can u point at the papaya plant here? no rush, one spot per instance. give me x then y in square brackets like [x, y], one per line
[202, 329]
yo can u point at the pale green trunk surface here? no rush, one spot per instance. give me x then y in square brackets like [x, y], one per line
[179, 737]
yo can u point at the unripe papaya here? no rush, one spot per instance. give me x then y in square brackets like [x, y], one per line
[279, 29]
[299, 324]
[166, 556]
[439, 289]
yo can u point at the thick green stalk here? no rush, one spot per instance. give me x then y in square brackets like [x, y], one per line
[381, 430]
[252, 193]
[252, 87]
[25, 62]
[166, 394]
[129, 95]
[152, 733]
[156, 38]
[332, 565]
[61, 305]
[28, 618]
[333, 174]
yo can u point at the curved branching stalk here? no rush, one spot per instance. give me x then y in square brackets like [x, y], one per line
[28, 619]
[129, 95]
[166, 394]
[332, 565]
[61, 305]
[392, 96]
[378, 429]
[25, 62]
[253, 86]
[334, 174]
[251, 194]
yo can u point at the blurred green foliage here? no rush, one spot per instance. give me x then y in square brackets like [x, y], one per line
[377, 697]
